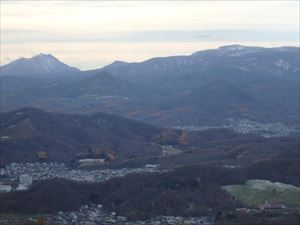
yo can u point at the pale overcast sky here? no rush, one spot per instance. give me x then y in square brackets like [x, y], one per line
[90, 34]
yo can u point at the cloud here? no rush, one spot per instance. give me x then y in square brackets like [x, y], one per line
[92, 33]
[10, 36]
[204, 37]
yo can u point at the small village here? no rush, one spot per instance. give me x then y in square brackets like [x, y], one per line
[95, 215]
[19, 176]
[246, 126]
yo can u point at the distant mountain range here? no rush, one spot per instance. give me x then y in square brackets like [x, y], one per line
[56, 113]
[230, 61]
[205, 88]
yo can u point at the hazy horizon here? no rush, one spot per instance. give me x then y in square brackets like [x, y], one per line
[91, 34]
[101, 66]
[176, 131]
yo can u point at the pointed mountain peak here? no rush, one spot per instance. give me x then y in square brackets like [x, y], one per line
[43, 55]
[119, 63]
[39, 65]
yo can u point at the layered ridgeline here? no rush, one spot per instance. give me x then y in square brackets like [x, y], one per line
[205, 172]
[65, 137]
[27, 133]
[234, 61]
[204, 88]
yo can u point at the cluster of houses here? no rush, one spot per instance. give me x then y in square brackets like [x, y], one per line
[272, 205]
[19, 176]
[36, 168]
[263, 207]
[246, 126]
[265, 129]
[22, 183]
[87, 215]
[95, 214]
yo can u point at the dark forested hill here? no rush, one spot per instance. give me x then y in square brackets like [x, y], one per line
[65, 137]
[193, 190]
[188, 191]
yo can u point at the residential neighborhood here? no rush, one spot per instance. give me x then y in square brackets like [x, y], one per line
[96, 215]
[246, 126]
[19, 176]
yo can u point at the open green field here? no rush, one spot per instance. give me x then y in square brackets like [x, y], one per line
[255, 192]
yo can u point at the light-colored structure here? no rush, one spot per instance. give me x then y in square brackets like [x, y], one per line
[91, 160]
[21, 188]
[5, 188]
[24, 182]
[151, 166]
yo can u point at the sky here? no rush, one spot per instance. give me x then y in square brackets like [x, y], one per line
[91, 34]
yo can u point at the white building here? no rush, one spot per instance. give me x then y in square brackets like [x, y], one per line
[5, 188]
[21, 188]
[24, 182]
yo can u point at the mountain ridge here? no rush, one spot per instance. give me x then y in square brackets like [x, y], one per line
[222, 50]
[252, 58]
[196, 90]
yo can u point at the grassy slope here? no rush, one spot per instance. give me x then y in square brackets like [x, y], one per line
[255, 192]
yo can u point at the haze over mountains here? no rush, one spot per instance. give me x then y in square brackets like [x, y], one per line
[228, 59]
[204, 88]
[150, 113]
[51, 112]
